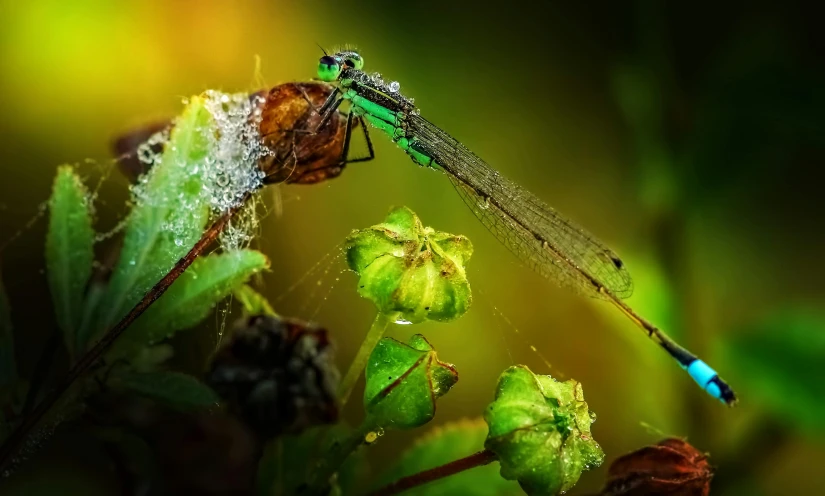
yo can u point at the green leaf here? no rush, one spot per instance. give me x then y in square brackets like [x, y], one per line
[404, 381]
[170, 212]
[150, 358]
[94, 296]
[69, 251]
[191, 298]
[443, 445]
[8, 366]
[774, 362]
[253, 302]
[180, 391]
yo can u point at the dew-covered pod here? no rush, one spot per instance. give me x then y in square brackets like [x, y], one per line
[278, 375]
[404, 381]
[410, 270]
[540, 431]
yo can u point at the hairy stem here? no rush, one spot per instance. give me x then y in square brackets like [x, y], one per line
[376, 332]
[16, 439]
[475, 460]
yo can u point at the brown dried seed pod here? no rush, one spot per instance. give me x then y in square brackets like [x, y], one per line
[671, 468]
[278, 375]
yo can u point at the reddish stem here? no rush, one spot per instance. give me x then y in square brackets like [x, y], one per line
[12, 444]
[475, 460]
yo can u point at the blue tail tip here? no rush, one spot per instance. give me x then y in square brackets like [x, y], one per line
[709, 380]
[720, 390]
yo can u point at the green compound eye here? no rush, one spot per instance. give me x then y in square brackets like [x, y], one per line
[354, 61]
[328, 69]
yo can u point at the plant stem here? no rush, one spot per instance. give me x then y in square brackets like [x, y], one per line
[333, 458]
[41, 370]
[16, 439]
[376, 332]
[475, 460]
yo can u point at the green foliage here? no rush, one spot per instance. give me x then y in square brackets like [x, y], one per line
[403, 382]
[414, 270]
[91, 303]
[253, 302]
[776, 361]
[150, 358]
[11, 389]
[168, 217]
[755, 113]
[69, 251]
[174, 389]
[8, 366]
[540, 431]
[171, 208]
[641, 98]
[445, 444]
[288, 461]
[191, 297]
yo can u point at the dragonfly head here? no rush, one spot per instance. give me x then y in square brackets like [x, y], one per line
[331, 66]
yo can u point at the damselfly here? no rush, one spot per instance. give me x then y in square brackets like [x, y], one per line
[542, 238]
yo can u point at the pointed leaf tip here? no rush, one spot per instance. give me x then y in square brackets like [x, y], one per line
[69, 251]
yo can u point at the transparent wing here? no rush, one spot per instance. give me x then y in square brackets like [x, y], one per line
[547, 242]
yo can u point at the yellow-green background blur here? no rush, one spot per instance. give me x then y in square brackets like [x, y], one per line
[687, 138]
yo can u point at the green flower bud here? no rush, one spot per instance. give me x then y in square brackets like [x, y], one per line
[410, 269]
[540, 431]
[403, 382]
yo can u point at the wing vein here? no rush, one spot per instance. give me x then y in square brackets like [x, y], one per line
[547, 242]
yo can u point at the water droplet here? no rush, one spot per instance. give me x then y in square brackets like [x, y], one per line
[403, 322]
[178, 242]
[394, 86]
[222, 180]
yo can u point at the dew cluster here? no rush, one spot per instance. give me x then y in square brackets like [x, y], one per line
[232, 168]
[219, 177]
[147, 151]
[235, 148]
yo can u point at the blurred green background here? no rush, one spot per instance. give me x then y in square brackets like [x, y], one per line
[688, 137]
